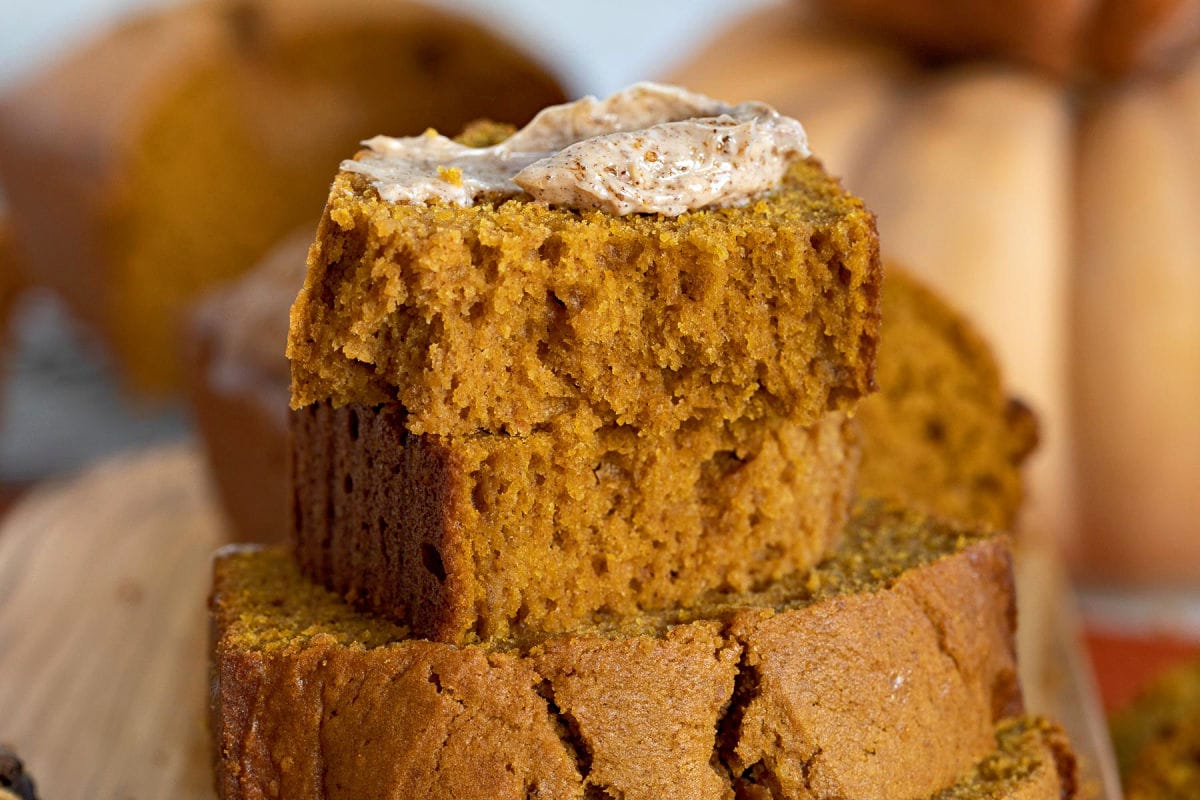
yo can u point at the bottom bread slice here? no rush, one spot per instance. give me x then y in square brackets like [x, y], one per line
[879, 674]
[486, 538]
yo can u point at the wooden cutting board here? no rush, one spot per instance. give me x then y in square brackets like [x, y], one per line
[103, 582]
[103, 685]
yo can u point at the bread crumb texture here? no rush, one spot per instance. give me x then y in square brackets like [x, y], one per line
[494, 537]
[501, 317]
[941, 434]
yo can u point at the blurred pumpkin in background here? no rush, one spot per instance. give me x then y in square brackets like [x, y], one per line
[1060, 211]
[1105, 37]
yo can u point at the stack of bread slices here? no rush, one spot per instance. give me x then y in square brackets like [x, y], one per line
[574, 514]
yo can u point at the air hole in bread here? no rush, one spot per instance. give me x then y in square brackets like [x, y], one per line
[432, 560]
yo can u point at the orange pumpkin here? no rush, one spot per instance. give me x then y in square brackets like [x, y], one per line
[1109, 37]
[1062, 218]
[1136, 354]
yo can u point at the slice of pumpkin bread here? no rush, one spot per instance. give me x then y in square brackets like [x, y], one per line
[237, 381]
[473, 538]
[941, 433]
[1033, 760]
[1167, 767]
[878, 674]
[501, 316]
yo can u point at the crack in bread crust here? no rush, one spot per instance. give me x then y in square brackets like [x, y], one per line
[802, 694]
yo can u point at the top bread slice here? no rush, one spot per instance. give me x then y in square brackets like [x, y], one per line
[500, 317]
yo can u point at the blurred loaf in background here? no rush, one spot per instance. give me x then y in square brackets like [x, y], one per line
[238, 383]
[1056, 209]
[170, 154]
[1156, 737]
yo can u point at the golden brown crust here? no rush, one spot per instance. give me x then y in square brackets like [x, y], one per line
[941, 434]
[608, 693]
[502, 537]
[946, 629]
[184, 126]
[288, 655]
[499, 318]
[333, 722]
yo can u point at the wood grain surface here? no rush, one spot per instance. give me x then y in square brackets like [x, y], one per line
[103, 582]
[103, 684]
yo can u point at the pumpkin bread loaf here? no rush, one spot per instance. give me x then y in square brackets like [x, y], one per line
[1167, 767]
[500, 317]
[171, 153]
[472, 538]
[941, 434]
[800, 690]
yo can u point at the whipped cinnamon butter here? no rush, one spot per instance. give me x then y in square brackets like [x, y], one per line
[647, 149]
